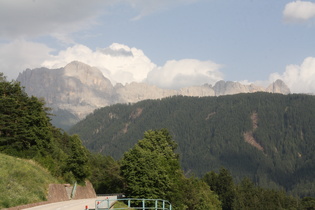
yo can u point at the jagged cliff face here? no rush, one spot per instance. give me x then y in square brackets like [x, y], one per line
[278, 87]
[79, 89]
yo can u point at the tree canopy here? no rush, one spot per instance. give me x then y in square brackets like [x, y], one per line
[26, 131]
[151, 169]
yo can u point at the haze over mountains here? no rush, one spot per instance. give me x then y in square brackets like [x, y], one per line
[78, 89]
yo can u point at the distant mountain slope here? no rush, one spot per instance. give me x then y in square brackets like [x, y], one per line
[77, 89]
[267, 137]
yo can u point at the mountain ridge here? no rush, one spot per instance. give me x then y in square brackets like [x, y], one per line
[78, 89]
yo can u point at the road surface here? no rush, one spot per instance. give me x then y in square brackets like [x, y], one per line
[71, 204]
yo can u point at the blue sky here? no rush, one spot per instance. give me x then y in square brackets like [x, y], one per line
[173, 43]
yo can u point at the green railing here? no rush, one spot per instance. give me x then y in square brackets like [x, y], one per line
[134, 203]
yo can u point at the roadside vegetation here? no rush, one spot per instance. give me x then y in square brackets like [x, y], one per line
[22, 181]
[33, 153]
[26, 133]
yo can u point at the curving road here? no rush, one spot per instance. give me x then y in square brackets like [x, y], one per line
[72, 204]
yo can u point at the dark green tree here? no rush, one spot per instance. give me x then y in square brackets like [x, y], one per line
[77, 162]
[25, 128]
[26, 131]
[198, 195]
[151, 168]
[222, 184]
[2, 77]
[308, 203]
[105, 174]
[249, 197]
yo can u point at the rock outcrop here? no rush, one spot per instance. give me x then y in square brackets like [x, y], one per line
[78, 89]
[278, 87]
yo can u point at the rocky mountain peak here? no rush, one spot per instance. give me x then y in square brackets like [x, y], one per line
[79, 89]
[278, 87]
[86, 74]
[229, 88]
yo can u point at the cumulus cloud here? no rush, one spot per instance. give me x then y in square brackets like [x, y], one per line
[299, 11]
[184, 73]
[118, 62]
[19, 55]
[299, 78]
[122, 64]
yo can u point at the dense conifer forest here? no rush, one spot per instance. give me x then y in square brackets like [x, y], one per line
[266, 137]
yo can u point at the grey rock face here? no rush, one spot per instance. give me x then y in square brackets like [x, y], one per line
[278, 87]
[134, 92]
[80, 89]
[230, 88]
[77, 87]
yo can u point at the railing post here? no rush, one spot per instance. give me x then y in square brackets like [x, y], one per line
[151, 203]
[73, 190]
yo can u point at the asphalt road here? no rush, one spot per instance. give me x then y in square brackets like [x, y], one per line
[71, 204]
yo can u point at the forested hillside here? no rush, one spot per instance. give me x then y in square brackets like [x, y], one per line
[26, 132]
[266, 137]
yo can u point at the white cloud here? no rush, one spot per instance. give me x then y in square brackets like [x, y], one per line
[32, 18]
[300, 79]
[60, 18]
[118, 62]
[184, 73]
[19, 55]
[299, 11]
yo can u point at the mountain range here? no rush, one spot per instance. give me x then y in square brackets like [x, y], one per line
[77, 89]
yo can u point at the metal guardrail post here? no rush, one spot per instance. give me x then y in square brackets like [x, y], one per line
[74, 190]
[143, 204]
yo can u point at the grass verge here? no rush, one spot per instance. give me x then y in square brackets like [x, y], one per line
[22, 181]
